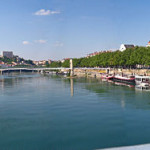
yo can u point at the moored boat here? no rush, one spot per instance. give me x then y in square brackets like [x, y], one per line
[143, 81]
[107, 76]
[103, 76]
[124, 78]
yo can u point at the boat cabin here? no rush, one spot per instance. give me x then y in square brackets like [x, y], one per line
[142, 79]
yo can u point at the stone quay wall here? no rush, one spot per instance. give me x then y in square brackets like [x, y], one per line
[97, 72]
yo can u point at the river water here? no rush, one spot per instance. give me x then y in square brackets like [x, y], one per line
[40, 112]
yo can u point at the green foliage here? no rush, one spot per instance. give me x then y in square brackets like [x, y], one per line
[127, 59]
[54, 64]
[30, 62]
[65, 64]
[7, 60]
[14, 59]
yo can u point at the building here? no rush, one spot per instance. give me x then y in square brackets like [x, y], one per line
[8, 54]
[98, 53]
[148, 45]
[41, 62]
[14, 63]
[1, 62]
[93, 54]
[63, 60]
[50, 61]
[125, 46]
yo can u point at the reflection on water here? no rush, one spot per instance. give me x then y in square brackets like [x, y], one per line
[72, 87]
[13, 79]
[37, 112]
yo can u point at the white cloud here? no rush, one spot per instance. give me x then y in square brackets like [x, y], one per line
[58, 44]
[25, 42]
[35, 41]
[43, 12]
[40, 41]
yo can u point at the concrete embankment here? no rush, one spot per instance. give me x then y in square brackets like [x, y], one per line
[132, 71]
[97, 72]
[88, 72]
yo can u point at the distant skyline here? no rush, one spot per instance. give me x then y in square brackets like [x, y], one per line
[57, 29]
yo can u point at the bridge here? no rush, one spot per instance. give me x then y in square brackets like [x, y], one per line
[30, 69]
[38, 69]
[47, 69]
[71, 69]
[42, 69]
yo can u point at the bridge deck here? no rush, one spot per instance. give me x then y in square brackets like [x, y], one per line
[34, 69]
[39, 69]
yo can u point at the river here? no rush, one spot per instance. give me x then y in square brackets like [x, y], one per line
[41, 112]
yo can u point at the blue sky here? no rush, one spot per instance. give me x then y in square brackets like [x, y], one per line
[56, 29]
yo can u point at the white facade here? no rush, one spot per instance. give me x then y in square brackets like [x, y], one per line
[8, 54]
[122, 47]
[125, 46]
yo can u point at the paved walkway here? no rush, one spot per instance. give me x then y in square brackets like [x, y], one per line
[137, 147]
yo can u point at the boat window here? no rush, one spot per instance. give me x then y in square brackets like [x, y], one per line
[138, 79]
[145, 80]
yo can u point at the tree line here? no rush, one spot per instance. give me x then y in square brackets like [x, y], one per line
[129, 58]
[14, 59]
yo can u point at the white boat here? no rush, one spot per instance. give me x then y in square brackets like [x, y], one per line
[142, 81]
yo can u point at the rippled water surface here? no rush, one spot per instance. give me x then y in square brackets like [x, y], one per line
[40, 112]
